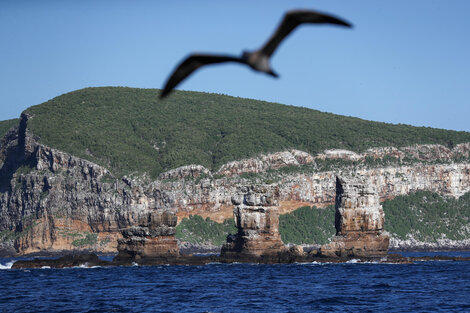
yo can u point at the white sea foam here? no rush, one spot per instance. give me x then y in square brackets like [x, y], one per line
[45, 267]
[86, 265]
[7, 266]
[134, 264]
[355, 261]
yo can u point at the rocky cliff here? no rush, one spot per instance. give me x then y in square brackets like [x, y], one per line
[53, 201]
[257, 220]
[152, 237]
[359, 220]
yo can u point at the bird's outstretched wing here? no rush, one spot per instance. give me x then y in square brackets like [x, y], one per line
[192, 63]
[291, 20]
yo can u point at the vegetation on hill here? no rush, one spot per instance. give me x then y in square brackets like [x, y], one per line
[197, 230]
[428, 216]
[6, 125]
[130, 130]
[308, 225]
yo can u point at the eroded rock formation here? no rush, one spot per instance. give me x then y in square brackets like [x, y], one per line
[257, 220]
[153, 237]
[359, 221]
[51, 201]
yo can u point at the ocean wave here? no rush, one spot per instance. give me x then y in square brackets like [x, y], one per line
[6, 266]
[85, 265]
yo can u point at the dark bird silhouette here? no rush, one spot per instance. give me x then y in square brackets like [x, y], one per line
[258, 60]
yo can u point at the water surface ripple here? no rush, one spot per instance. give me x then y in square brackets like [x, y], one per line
[350, 287]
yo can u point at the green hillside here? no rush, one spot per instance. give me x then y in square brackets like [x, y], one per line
[428, 216]
[131, 130]
[6, 125]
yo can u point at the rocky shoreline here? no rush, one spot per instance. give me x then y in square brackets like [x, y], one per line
[92, 260]
[360, 236]
[359, 223]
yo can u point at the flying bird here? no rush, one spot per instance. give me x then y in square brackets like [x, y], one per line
[258, 60]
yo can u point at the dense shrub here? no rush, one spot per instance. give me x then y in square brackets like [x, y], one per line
[131, 130]
[195, 229]
[428, 216]
[308, 225]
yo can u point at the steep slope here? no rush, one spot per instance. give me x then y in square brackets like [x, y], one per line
[129, 130]
[6, 125]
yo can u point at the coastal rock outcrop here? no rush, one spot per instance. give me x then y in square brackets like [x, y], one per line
[257, 220]
[52, 201]
[359, 221]
[264, 162]
[153, 237]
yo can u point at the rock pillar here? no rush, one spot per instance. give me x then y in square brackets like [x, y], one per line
[154, 237]
[256, 216]
[359, 221]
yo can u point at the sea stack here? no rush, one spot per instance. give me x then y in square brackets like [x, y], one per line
[256, 216]
[153, 238]
[359, 221]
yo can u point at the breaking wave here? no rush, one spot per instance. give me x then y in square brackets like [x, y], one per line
[6, 266]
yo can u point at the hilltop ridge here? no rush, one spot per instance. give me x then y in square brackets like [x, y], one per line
[130, 130]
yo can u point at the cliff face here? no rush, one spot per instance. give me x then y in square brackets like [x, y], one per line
[53, 201]
[433, 171]
[153, 237]
[257, 221]
[359, 221]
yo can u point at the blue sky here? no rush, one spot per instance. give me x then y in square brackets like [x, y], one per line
[404, 61]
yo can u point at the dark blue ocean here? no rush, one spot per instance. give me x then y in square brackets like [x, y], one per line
[439, 286]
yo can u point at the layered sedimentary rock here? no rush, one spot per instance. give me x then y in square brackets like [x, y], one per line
[257, 220]
[359, 221]
[53, 201]
[153, 237]
[304, 184]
